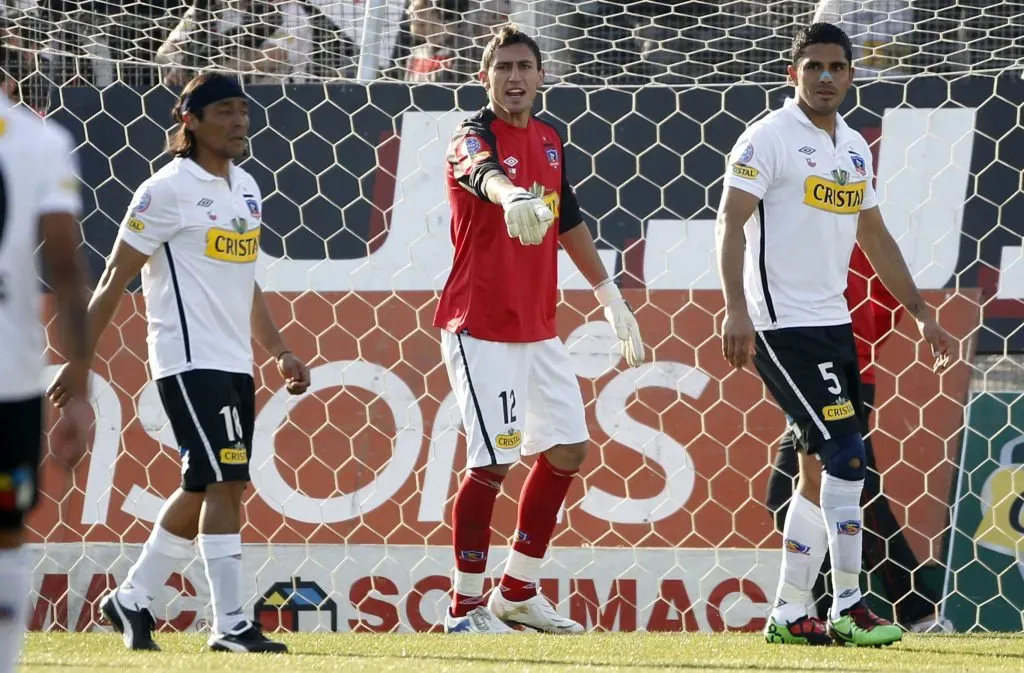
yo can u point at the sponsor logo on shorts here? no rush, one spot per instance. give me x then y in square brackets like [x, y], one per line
[796, 547]
[851, 527]
[232, 246]
[834, 197]
[748, 172]
[136, 224]
[234, 456]
[470, 555]
[838, 411]
[510, 439]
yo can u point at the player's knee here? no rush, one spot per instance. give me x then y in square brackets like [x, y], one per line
[568, 457]
[225, 492]
[844, 457]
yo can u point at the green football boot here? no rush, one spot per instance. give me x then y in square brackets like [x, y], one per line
[857, 626]
[804, 631]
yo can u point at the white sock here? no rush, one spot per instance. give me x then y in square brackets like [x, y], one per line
[803, 550]
[161, 555]
[222, 555]
[16, 579]
[840, 505]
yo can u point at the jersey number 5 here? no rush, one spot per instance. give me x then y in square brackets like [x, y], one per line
[834, 387]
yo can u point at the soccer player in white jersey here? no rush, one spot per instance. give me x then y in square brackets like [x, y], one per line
[798, 194]
[39, 203]
[193, 231]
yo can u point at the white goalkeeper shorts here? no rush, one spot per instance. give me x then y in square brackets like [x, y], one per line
[515, 398]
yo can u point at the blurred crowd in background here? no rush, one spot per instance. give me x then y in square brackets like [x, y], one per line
[626, 42]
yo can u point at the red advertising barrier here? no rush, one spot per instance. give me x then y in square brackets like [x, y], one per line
[680, 455]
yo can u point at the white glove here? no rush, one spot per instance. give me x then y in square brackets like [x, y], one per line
[620, 315]
[527, 217]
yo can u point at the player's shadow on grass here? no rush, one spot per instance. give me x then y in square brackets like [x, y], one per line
[674, 665]
[960, 653]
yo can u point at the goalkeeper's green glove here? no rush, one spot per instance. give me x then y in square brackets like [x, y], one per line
[526, 216]
[618, 312]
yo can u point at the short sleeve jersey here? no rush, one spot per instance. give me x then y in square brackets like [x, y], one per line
[799, 240]
[202, 233]
[37, 177]
[499, 289]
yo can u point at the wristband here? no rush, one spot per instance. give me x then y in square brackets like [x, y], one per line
[282, 354]
[606, 292]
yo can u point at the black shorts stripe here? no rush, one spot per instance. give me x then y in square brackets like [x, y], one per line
[763, 266]
[476, 404]
[181, 305]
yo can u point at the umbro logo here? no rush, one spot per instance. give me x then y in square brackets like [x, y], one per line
[807, 150]
[204, 203]
[511, 162]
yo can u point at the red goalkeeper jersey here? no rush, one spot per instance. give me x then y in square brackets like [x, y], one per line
[500, 289]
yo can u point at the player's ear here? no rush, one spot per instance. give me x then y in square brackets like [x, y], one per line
[791, 74]
[484, 78]
[191, 123]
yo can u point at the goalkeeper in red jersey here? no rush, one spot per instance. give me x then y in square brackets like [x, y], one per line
[512, 205]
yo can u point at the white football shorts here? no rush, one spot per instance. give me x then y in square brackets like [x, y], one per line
[515, 398]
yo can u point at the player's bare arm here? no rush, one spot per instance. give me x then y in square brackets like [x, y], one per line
[885, 256]
[737, 330]
[123, 266]
[578, 242]
[294, 370]
[66, 272]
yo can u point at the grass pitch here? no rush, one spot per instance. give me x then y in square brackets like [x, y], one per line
[433, 653]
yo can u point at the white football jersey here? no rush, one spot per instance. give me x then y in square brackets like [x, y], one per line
[37, 177]
[799, 241]
[203, 236]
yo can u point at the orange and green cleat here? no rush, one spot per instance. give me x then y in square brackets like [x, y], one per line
[804, 631]
[857, 626]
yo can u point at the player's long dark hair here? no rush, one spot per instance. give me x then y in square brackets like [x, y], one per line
[182, 142]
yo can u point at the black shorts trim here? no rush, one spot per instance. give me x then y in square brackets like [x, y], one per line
[813, 375]
[476, 403]
[22, 423]
[212, 414]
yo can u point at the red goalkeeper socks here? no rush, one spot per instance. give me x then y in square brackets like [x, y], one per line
[542, 496]
[471, 534]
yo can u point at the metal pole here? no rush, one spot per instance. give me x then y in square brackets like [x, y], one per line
[373, 36]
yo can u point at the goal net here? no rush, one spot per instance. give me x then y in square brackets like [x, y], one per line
[348, 520]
